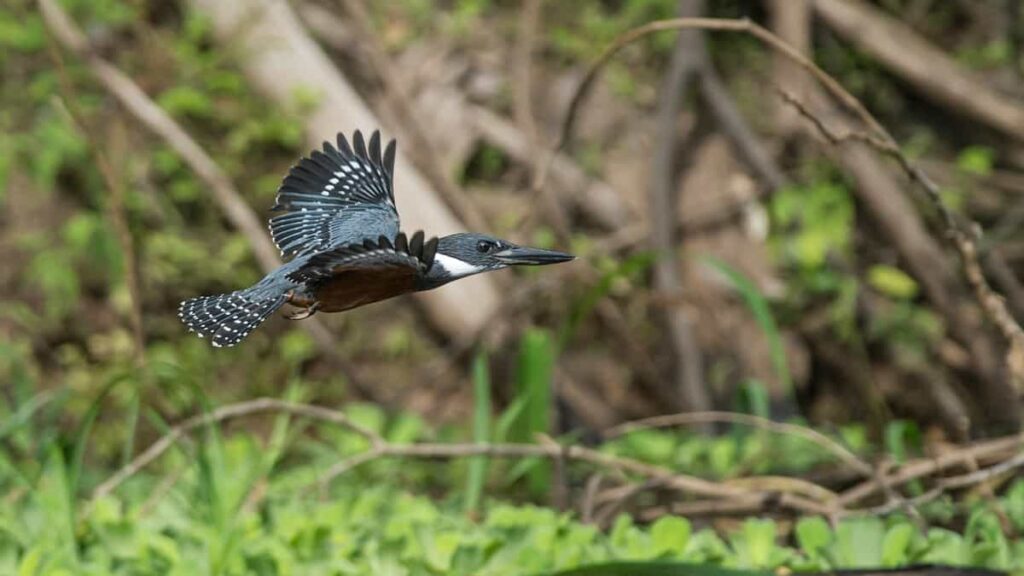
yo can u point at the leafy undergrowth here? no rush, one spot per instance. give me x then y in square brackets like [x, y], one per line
[241, 505]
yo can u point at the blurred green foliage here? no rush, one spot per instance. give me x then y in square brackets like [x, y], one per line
[229, 505]
[75, 405]
[813, 238]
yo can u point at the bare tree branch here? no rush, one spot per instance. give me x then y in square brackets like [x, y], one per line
[688, 381]
[150, 115]
[228, 412]
[686, 419]
[410, 127]
[961, 240]
[902, 50]
[280, 57]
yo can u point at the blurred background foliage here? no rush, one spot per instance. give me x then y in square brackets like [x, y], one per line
[244, 498]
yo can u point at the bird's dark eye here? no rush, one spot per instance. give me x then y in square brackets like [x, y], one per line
[485, 246]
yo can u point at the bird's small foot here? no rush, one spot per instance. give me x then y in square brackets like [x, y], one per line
[304, 312]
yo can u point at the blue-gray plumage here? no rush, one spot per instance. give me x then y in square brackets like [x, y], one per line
[341, 227]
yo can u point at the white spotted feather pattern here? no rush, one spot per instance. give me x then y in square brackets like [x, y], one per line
[335, 193]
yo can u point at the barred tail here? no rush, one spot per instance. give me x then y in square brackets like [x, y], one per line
[226, 319]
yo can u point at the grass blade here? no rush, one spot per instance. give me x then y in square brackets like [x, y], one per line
[759, 307]
[534, 383]
[477, 475]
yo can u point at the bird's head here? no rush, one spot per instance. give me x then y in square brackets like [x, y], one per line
[465, 254]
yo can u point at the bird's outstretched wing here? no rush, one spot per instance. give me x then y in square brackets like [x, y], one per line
[402, 256]
[337, 196]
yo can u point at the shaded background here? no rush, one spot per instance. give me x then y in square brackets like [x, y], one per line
[730, 256]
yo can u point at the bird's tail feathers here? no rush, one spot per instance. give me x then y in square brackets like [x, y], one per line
[226, 319]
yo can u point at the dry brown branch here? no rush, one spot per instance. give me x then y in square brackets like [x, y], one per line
[927, 67]
[522, 64]
[228, 412]
[748, 147]
[688, 386]
[279, 58]
[735, 507]
[963, 240]
[913, 470]
[755, 493]
[708, 24]
[680, 482]
[790, 21]
[615, 499]
[409, 126]
[588, 502]
[878, 478]
[834, 136]
[687, 419]
[944, 485]
[150, 115]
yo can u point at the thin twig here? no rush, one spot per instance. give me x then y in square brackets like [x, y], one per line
[522, 70]
[401, 103]
[226, 413]
[150, 115]
[727, 25]
[691, 418]
[945, 484]
[928, 466]
[617, 498]
[687, 385]
[748, 146]
[962, 239]
[670, 479]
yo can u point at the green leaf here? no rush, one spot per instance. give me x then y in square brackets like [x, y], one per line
[859, 542]
[976, 160]
[534, 379]
[813, 535]
[896, 546]
[477, 475]
[755, 543]
[761, 310]
[186, 101]
[892, 282]
[670, 534]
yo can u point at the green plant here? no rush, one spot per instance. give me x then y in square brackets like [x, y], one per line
[534, 379]
[762, 313]
[477, 475]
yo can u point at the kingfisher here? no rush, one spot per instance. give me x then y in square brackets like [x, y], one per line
[341, 229]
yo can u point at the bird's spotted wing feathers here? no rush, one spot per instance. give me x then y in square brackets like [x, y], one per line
[339, 185]
[402, 254]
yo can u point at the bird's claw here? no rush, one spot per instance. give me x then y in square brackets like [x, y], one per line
[304, 312]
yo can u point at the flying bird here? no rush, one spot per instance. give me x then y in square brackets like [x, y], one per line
[341, 229]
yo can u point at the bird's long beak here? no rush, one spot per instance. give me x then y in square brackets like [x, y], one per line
[523, 255]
